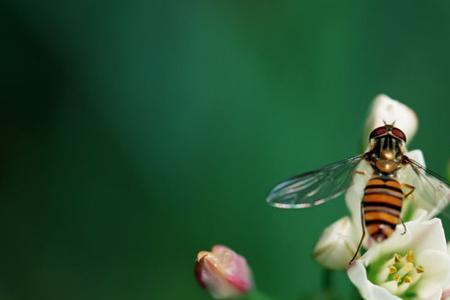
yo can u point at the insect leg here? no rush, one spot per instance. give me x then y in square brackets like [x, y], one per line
[362, 236]
[411, 190]
[359, 172]
[404, 227]
[411, 187]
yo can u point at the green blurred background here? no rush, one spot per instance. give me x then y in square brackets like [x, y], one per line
[134, 134]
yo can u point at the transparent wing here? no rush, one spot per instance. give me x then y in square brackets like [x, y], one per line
[316, 187]
[431, 191]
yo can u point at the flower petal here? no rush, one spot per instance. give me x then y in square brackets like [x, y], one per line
[420, 236]
[369, 291]
[385, 109]
[234, 267]
[213, 280]
[446, 294]
[355, 193]
[429, 193]
[437, 268]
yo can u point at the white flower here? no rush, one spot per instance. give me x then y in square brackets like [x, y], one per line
[337, 245]
[418, 206]
[385, 109]
[411, 266]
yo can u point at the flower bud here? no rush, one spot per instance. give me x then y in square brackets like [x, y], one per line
[337, 245]
[223, 273]
[385, 109]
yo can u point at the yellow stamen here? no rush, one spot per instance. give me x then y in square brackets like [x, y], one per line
[410, 256]
[392, 270]
[407, 279]
[397, 257]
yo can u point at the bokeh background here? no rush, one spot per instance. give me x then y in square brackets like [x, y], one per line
[134, 134]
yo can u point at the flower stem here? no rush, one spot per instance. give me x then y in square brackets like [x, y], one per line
[327, 281]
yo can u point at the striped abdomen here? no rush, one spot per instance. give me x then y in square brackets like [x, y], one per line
[382, 204]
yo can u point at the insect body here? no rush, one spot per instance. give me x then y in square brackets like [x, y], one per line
[383, 195]
[382, 205]
[384, 192]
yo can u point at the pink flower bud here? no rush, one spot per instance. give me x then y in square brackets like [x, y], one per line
[223, 273]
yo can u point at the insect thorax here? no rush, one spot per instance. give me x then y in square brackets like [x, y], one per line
[386, 155]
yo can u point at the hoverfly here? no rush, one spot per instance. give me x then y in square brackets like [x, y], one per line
[384, 193]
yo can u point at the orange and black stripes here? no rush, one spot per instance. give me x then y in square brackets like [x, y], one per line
[382, 204]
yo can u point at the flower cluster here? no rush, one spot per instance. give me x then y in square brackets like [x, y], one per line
[415, 265]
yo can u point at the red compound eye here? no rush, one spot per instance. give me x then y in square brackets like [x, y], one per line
[377, 132]
[398, 134]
